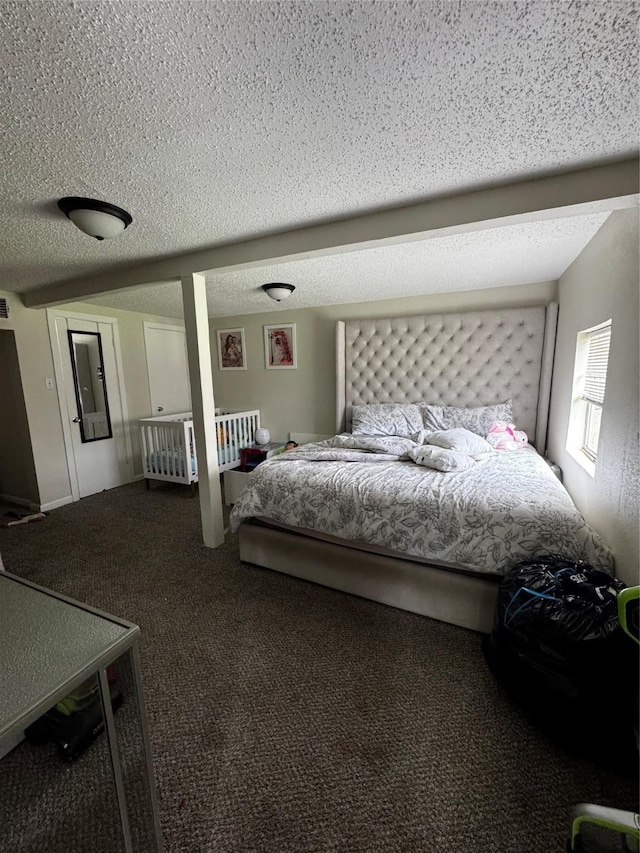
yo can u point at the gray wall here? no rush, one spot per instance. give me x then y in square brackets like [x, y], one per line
[303, 400]
[603, 283]
[17, 470]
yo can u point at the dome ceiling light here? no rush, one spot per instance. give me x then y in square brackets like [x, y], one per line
[278, 291]
[99, 219]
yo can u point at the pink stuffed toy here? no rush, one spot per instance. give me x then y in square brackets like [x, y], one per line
[504, 436]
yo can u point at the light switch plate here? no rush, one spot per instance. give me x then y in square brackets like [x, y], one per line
[49, 383]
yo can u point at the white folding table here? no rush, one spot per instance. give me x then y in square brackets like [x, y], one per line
[49, 645]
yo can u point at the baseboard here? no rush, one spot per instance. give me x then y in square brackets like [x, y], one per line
[137, 477]
[55, 504]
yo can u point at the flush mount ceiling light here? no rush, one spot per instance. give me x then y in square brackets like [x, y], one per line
[99, 219]
[278, 291]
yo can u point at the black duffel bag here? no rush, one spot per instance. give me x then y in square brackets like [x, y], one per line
[558, 649]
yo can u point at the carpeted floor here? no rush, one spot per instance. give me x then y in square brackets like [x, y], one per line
[284, 717]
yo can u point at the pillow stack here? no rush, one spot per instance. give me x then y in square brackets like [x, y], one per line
[407, 419]
[450, 450]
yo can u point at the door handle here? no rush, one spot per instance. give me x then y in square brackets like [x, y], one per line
[76, 420]
[161, 408]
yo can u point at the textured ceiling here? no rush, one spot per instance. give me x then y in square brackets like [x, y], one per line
[212, 121]
[517, 254]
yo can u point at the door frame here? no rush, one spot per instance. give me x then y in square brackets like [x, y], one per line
[171, 327]
[52, 315]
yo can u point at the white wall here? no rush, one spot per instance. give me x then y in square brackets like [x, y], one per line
[603, 283]
[303, 400]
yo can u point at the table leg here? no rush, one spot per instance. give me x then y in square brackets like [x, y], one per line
[107, 711]
[134, 657]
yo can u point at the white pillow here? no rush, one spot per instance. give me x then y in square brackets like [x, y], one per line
[447, 461]
[403, 419]
[477, 419]
[460, 440]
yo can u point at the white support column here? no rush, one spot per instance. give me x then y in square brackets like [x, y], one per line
[196, 323]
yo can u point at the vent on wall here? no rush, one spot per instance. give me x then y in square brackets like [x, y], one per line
[4, 309]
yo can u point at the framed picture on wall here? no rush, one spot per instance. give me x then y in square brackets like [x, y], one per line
[280, 351]
[232, 354]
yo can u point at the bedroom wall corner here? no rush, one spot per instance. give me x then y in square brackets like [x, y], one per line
[604, 282]
[41, 404]
[17, 468]
[52, 487]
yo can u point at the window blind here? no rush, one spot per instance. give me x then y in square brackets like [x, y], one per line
[595, 376]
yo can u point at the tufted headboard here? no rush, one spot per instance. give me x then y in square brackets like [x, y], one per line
[469, 359]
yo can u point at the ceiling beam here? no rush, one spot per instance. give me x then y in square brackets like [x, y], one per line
[594, 189]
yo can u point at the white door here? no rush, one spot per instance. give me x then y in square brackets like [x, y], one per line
[86, 368]
[168, 369]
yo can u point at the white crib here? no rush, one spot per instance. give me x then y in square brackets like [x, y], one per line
[169, 450]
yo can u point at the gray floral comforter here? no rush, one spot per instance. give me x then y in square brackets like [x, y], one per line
[507, 507]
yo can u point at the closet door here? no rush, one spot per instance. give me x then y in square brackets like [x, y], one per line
[168, 370]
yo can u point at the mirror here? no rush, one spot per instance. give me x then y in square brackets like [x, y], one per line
[90, 386]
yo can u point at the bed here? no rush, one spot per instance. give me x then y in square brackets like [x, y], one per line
[380, 526]
[169, 450]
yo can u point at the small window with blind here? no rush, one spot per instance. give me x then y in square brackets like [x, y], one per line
[589, 384]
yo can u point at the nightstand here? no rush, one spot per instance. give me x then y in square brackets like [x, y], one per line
[253, 454]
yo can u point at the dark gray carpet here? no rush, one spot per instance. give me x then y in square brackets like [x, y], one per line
[284, 716]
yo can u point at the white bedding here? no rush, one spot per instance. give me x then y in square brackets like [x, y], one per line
[505, 507]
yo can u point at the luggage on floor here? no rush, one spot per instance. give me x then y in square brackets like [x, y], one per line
[558, 649]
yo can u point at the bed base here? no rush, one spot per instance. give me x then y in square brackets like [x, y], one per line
[455, 597]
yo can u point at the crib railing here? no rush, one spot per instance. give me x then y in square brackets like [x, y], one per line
[234, 430]
[169, 450]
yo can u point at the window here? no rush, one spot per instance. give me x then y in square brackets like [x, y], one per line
[589, 383]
